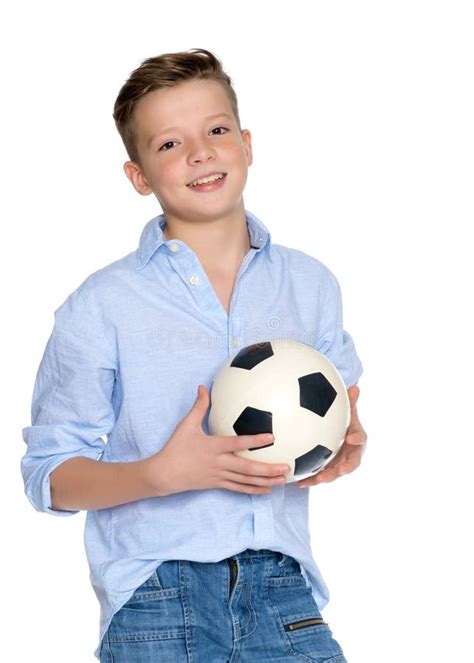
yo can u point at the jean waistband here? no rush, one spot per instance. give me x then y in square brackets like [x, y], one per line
[263, 552]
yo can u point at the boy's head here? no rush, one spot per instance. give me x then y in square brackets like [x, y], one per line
[178, 117]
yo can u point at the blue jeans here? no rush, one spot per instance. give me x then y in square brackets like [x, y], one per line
[252, 607]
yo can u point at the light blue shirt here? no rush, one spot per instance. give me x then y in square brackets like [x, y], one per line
[121, 368]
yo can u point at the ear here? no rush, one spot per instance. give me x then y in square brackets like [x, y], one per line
[137, 178]
[247, 140]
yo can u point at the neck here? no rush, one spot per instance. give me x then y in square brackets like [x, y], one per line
[220, 243]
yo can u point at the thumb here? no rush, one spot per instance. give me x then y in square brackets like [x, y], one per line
[353, 393]
[200, 405]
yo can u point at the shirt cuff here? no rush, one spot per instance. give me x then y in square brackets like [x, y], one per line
[39, 492]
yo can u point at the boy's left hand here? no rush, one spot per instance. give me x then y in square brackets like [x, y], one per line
[349, 456]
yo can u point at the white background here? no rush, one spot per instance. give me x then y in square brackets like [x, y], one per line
[362, 122]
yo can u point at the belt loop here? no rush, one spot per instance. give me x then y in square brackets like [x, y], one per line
[282, 558]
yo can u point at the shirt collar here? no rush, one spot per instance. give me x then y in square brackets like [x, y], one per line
[152, 237]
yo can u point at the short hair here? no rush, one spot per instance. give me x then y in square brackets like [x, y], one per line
[166, 70]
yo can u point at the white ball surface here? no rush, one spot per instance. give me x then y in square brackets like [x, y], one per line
[286, 388]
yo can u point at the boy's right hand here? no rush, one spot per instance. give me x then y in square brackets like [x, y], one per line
[193, 460]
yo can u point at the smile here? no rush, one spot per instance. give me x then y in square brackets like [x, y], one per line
[208, 179]
[207, 184]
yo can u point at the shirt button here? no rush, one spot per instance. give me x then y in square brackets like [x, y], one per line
[174, 246]
[194, 280]
[235, 342]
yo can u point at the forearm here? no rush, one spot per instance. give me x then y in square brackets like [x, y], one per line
[81, 483]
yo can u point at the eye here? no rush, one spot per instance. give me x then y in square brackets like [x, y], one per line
[164, 147]
[165, 144]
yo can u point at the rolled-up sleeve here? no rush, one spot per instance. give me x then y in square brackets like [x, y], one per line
[72, 405]
[334, 341]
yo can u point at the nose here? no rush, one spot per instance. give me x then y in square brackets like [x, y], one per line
[201, 152]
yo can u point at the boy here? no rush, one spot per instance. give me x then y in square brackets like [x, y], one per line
[195, 553]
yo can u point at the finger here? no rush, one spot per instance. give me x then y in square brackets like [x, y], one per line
[244, 442]
[357, 437]
[200, 405]
[347, 463]
[248, 467]
[245, 488]
[328, 475]
[256, 480]
[354, 423]
[346, 454]
[244, 465]
[353, 393]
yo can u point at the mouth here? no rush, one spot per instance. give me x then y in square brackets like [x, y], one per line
[208, 183]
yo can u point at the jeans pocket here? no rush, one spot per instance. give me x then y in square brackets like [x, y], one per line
[300, 621]
[155, 610]
[151, 583]
[285, 566]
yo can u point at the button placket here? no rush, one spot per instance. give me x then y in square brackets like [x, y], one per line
[234, 340]
[188, 267]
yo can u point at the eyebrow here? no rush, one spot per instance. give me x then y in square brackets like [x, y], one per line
[210, 117]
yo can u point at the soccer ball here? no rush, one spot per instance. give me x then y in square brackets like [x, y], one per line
[286, 388]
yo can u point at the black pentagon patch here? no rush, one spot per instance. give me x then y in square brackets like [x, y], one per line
[316, 393]
[252, 355]
[311, 460]
[253, 422]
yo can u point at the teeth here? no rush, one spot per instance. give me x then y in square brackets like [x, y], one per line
[206, 180]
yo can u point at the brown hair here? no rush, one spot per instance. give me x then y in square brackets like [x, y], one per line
[166, 70]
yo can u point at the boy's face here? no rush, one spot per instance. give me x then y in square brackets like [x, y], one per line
[203, 139]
